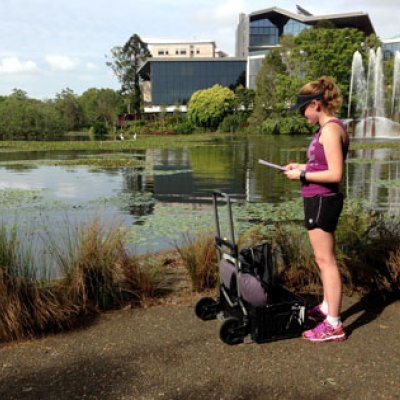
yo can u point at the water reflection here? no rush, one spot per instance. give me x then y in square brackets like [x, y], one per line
[375, 176]
[177, 182]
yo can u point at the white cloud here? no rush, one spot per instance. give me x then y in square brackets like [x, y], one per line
[12, 65]
[91, 66]
[225, 13]
[62, 63]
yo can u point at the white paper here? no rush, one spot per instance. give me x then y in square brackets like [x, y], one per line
[272, 165]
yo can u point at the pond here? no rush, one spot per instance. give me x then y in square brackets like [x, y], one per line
[169, 192]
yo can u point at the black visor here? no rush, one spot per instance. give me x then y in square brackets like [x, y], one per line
[304, 99]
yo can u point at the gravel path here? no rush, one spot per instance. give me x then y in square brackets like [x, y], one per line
[165, 352]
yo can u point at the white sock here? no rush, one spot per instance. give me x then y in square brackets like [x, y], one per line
[324, 307]
[334, 321]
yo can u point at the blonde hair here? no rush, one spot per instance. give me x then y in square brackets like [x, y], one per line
[332, 99]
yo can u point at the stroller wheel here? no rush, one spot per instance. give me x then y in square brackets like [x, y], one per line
[207, 309]
[232, 331]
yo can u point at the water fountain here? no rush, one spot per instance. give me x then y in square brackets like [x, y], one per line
[369, 92]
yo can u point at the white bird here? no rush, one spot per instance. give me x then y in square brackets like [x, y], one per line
[134, 136]
[121, 137]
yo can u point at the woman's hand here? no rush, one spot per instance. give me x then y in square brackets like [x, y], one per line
[292, 165]
[293, 174]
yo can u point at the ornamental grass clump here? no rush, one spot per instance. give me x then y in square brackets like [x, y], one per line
[28, 306]
[200, 259]
[97, 273]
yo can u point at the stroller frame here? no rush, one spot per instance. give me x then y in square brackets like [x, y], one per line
[283, 314]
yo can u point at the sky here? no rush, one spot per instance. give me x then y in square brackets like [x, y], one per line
[50, 45]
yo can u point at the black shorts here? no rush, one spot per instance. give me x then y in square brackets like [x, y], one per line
[323, 211]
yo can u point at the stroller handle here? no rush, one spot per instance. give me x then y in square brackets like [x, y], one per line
[216, 195]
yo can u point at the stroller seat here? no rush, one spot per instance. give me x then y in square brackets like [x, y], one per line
[251, 288]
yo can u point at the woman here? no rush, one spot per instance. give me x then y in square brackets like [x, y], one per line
[318, 101]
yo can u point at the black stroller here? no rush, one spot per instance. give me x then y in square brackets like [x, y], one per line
[250, 304]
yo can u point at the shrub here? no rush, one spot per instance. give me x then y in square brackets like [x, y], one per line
[286, 126]
[368, 250]
[200, 259]
[99, 129]
[232, 122]
[98, 274]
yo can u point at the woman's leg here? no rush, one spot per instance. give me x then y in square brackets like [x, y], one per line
[323, 244]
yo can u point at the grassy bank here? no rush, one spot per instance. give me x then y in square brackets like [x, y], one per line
[154, 142]
[142, 142]
[368, 250]
[98, 274]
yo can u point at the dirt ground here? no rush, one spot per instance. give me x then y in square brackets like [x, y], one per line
[166, 352]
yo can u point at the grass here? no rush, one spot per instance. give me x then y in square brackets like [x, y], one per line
[153, 142]
[368, 252]
[200, 259]
[99, 274]
[143, 142]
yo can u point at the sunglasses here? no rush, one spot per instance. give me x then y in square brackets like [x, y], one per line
[302, 109]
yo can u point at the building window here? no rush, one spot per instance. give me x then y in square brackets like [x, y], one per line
[294, 27]
[197, 51]
[263, 33]
[182, 52]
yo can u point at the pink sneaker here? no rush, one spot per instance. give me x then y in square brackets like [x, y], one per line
[325, 332]
[315, 314]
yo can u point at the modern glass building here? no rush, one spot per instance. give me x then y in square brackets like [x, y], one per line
[259, 32]
[390, 46]
[172, 81]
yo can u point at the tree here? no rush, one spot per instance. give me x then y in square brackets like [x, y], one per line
[244, 98]
[66, 103]
[313, 53]
[21, 117]
[330, 52]
[208, 107]
[126, 63]
[265, 97]
[100, 105]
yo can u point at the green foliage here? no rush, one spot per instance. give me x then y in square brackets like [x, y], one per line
[208, 107]
[99, 129]
[265, 97]
[329, 52]
[368, 250]
[184, 127]
[21, 117]
[126, 63]
[69, 109]
[100, 105]
[233, 122]
[292, 125]
[244, 98]
[311, 54]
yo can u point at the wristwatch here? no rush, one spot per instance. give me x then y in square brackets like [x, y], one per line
[303, 176]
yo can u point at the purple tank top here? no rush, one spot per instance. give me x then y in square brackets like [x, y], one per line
[317, 162]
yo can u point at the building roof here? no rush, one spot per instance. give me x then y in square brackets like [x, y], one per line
[395, 39]
[176, 41]
[278, 16]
